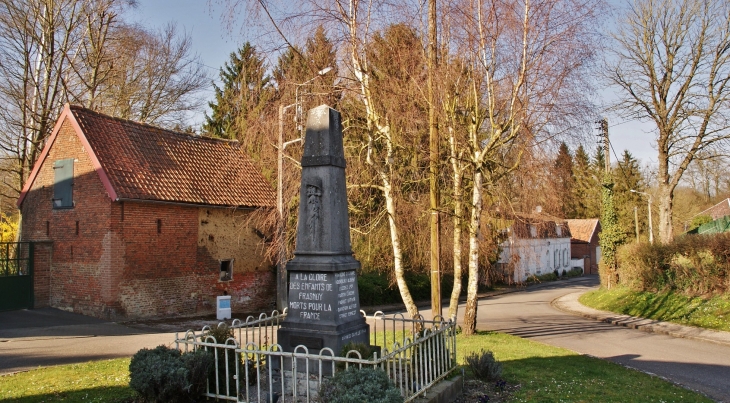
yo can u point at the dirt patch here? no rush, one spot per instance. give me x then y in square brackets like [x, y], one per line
[476, 391]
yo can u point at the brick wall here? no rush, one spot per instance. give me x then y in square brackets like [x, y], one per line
[75, 275]
[227, 234]
[132, 259]
[42, 274]
[172, 260]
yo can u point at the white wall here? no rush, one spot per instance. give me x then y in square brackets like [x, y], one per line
[536, 256]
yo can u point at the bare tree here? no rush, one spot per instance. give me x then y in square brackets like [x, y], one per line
[52, 52]
[671, 61]
[526, 60]
[155, 78]
[35, 37]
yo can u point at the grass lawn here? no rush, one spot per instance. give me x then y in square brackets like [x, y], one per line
[711, 313]
[552, 374]
[96, 381]
[544, 373]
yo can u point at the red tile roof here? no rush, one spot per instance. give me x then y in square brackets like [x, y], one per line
[546, 226]
[582, 229]
[146, 163]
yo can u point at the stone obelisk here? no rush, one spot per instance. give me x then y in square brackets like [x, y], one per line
[324, 306]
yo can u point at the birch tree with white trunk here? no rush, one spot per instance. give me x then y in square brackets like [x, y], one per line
[527, 62]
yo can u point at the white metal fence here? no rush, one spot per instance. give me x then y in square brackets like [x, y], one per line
[251, 367]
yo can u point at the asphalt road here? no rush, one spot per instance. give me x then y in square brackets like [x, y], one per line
[697, 365]
[43, 337]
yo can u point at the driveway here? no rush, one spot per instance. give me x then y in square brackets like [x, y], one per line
[47, 336]
[697, 365]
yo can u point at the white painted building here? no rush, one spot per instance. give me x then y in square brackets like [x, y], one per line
[535, 245]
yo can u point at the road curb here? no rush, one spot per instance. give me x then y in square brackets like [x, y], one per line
[569, 303]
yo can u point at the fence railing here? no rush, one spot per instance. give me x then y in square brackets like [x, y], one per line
[251, 367]
[15, 258]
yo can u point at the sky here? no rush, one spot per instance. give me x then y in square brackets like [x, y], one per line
[213, 43]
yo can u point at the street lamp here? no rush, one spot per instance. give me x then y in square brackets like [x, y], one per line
[651, 229]
[281, 280]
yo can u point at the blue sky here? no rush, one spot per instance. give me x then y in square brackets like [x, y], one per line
[213, 43]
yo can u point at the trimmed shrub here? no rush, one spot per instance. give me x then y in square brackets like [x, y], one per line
[692, 265]
[164, 375]
[484, 366]
[574, 272]
[539, 278]
[360, 385]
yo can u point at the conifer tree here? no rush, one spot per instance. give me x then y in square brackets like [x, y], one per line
[586, 193]
[239, 105]
[297, 72]
[564, 182]
[628, 176]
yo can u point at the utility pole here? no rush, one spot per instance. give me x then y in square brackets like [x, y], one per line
[433, 137]
[636, 222]
[606, 144]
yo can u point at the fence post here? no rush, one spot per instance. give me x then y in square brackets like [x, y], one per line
[31, 272]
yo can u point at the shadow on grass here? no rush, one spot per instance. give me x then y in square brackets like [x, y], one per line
[578, 378]
[24, 361]
[111, 394]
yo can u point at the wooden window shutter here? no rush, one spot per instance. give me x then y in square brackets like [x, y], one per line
[63, 183]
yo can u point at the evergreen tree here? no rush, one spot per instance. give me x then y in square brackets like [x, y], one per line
[321, 54]
[628, 176]
[586, 193]
[562, 175]
[239, 106]
[297, 73]
[599, 163]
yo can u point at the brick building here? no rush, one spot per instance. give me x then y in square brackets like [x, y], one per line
[584, 243]
[144, 222]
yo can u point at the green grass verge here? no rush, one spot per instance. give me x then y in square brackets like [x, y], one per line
[552, 374]
[711, 313]
[96, 381]
[544, 373]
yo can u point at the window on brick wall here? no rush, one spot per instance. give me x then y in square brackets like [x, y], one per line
[226, 273]
[63, 183]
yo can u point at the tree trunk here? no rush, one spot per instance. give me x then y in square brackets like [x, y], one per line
[470, 313]
[664, 204]
[458, 207]
[398, 253]
[382, 133]
[433, 134]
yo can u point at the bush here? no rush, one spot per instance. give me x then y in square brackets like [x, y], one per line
[360, 385]
[221, 334]
[375, 288]
[164, 375]
[484, 366]
[574, 272]
[692, 265]
[366, 352]
[539, 278]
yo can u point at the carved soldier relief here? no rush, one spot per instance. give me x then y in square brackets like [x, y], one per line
[314, 204]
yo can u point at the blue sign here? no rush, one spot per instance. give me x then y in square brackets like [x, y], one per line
[224, 303]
